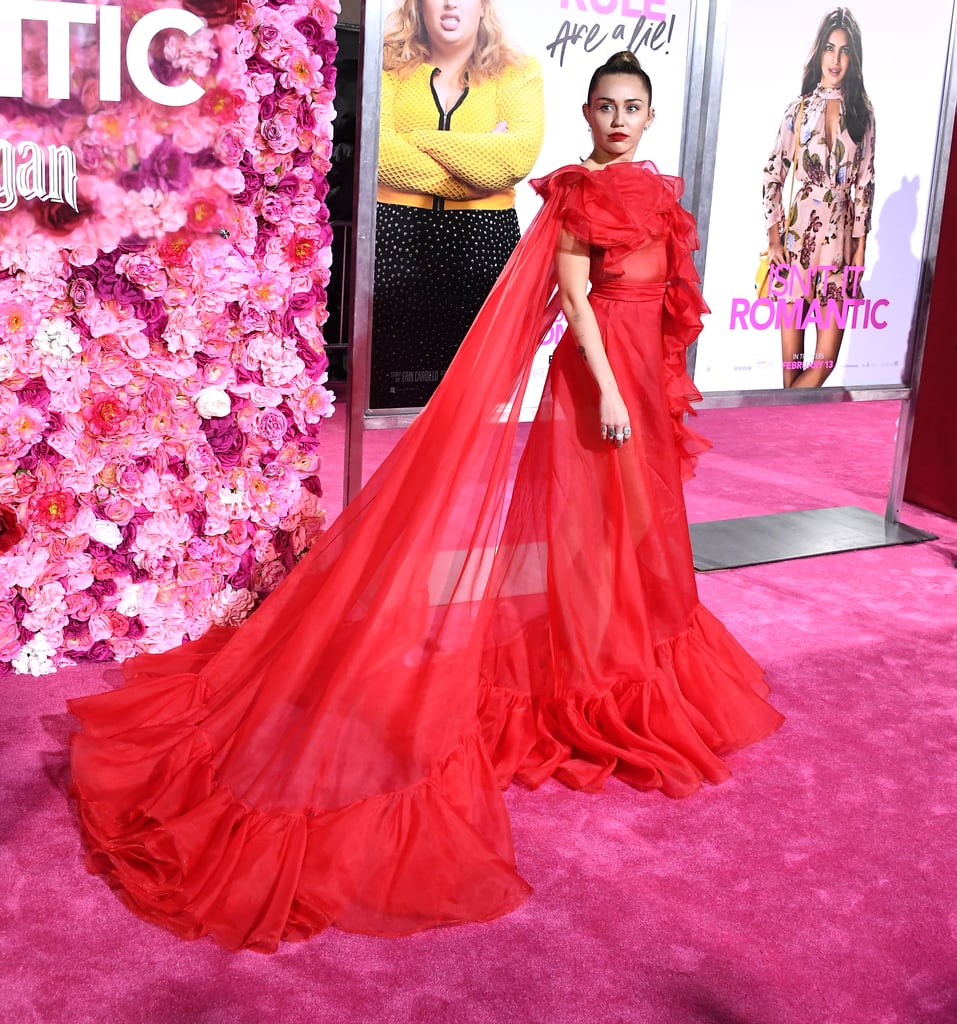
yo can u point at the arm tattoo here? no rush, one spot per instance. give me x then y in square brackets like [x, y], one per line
[573, 323]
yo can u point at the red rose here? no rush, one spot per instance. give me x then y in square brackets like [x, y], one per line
[54, 508]
[106, 415]
[60, 216]
[216, 12]
[174, 251]
[11, 532]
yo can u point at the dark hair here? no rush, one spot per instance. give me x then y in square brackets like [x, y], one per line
[857, 107]
[622, 63]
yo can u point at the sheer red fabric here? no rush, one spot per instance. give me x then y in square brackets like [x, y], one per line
[338, 759]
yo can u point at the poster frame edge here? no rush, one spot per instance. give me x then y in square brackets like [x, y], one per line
[928, 274]
[367, 173]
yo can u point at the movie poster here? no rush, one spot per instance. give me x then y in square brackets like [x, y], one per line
[839, 312]
[430, 262]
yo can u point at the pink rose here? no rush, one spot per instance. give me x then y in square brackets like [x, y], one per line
[274, 208]
[302, 71]
[9, 632]
[47, 612]
[81, 292]
[237, 536]
[317, 403]
[272, 424]
[17, 321]
[89, 152]
[200, 459]
[205, 215]
[143, 270]
[100, 627]
[118, 510]
[229, 147]
[267, 577]
[183, 498]
[119, 624]
[192, 574]
[280, 133]
[199, 549]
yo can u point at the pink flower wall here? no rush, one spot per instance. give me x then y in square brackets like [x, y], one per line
[162, 375]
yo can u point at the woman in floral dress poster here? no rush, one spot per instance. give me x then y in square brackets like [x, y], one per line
[816, 244]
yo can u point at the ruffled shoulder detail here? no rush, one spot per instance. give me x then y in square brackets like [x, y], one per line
[618, 210]
[681, 325]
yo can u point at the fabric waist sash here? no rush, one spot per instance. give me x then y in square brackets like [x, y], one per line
[819, 192]
[503, 200]
[620, 290]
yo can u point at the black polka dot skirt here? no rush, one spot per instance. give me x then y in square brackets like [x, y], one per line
[433, 271]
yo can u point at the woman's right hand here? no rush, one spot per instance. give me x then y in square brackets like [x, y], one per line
[615, 422]
[776, 254]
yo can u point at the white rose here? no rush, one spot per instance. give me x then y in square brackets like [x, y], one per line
[232, 496]
[212, 402]
[106, 533]
[34, 658]
[130, 602]
[58, 339]
[229, 607]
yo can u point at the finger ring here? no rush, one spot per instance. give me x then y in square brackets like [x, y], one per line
[627, 432]
[619, 437]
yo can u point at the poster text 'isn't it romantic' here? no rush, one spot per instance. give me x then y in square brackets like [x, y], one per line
[794, 300]
[103, 21]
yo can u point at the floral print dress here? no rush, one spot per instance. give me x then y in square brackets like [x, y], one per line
[833, 196]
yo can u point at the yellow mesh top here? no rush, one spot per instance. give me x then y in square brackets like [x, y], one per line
[469, 161]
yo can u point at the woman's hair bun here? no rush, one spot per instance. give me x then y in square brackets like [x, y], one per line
[623, 58]
[624, 62]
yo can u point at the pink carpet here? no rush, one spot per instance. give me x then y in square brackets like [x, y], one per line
[816, 887]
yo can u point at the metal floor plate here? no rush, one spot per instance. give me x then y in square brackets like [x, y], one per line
[755, 540]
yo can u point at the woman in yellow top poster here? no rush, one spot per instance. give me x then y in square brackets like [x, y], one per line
[462, 122]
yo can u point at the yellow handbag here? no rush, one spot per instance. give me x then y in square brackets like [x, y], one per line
[762, 274]
[764, 260]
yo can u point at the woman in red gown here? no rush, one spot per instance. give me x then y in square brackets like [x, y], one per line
[339, 758]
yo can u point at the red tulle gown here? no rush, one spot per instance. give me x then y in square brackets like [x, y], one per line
[339, 758]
